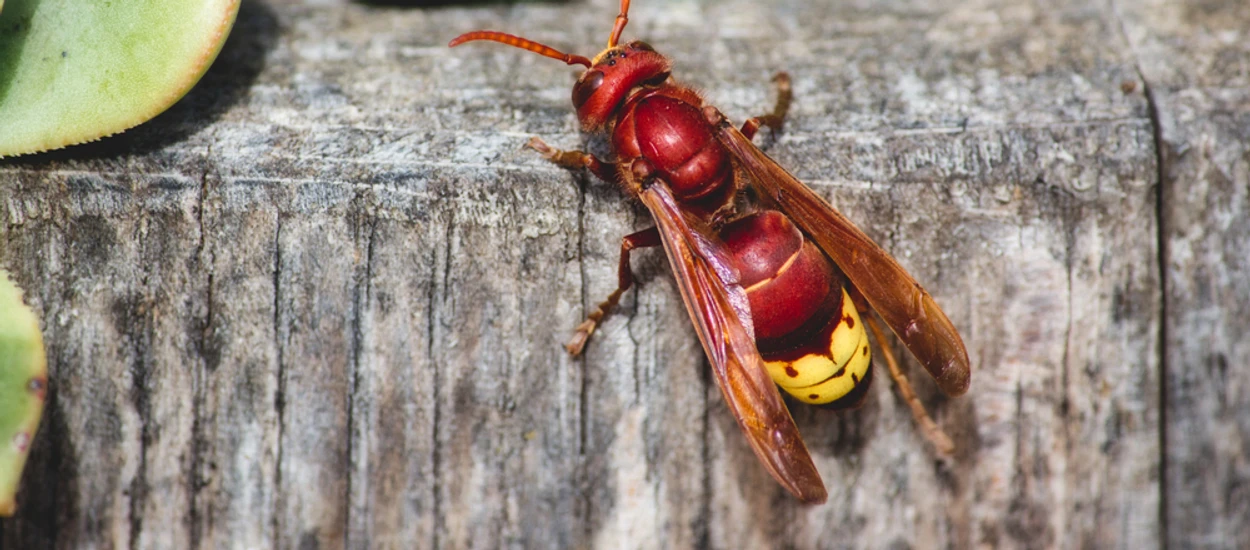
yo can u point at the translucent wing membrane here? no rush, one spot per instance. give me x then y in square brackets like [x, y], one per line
[905, 306]
[718, 307]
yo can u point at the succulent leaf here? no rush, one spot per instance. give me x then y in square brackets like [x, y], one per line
[23, 388]
[73, 71]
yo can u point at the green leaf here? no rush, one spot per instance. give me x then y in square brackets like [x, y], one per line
[73, 71]
[23, 385]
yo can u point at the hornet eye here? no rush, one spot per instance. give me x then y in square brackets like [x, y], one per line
[586, 87]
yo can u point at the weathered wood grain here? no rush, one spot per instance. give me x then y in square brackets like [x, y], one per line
[320, 302]
[1197, 59]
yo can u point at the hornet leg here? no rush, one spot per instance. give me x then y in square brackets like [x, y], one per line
[643, 239]
[572, 160]
[776, 119]
[625, 278]
[931, 430]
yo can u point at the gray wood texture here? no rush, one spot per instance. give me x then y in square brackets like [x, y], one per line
[320, 302]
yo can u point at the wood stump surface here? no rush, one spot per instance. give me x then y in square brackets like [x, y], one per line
[320, 302]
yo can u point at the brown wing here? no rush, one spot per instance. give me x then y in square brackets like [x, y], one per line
[718, 307]
[904, 305]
